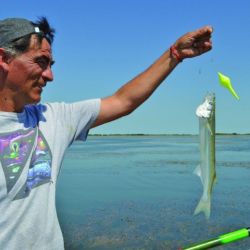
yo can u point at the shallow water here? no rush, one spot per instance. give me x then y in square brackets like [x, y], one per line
[139, 192]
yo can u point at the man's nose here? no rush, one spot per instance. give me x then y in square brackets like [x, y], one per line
[48, 74]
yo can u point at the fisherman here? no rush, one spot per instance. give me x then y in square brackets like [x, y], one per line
[35, 136]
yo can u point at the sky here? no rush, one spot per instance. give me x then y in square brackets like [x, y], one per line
[102, 44]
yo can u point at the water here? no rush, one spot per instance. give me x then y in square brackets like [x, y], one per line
[139, 192]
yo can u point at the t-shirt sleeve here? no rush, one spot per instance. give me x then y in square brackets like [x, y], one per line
[84, 115]
[73, 120]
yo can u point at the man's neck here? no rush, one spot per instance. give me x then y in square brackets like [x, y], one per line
[8, 105]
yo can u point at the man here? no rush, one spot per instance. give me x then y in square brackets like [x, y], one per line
[34, 137]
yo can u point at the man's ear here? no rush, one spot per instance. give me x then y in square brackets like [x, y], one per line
[4, 60]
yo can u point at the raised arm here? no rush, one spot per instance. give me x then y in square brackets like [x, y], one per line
[136, 91]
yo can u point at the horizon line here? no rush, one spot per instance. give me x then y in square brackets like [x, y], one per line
[160, 134]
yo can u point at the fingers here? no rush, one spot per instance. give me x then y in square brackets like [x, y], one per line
[204, 43]
[205, 31]
[197, 48]
[195, 37]
[202, 39]
[202, 48]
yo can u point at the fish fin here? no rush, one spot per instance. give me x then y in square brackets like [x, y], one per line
[197, 172]
[203, 206]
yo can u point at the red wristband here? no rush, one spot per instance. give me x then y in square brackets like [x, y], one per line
[174, 53]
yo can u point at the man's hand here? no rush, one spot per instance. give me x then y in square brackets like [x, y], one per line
[194, 43]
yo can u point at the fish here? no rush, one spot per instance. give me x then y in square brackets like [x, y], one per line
[206, 170]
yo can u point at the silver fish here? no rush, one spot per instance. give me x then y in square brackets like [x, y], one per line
[206, 170]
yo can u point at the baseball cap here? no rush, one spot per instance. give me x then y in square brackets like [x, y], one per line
[14, 28]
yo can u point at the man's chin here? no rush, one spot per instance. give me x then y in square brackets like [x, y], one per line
[35, 100]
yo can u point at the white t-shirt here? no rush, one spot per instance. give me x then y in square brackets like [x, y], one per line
[32, 147]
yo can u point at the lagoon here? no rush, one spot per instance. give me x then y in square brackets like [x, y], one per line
[139, 192]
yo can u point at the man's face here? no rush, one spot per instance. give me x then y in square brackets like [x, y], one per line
[29, 73]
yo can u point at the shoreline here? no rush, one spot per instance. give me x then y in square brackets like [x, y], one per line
[141, 134]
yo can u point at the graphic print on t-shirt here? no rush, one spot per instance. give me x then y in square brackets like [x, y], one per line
[40, 167]
[15, 151]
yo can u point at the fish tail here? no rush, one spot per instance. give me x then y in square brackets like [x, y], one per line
[203, 206]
